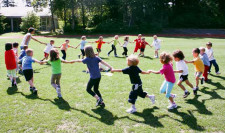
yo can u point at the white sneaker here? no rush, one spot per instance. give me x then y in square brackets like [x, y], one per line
[131, 110]
[152, 98]
[218, 73]
[172, 106]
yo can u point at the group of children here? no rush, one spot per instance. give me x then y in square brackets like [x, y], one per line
[203, 60]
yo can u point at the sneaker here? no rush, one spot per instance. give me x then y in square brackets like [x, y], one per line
[195, 90]
[152, 98]
[108, 54]
[218, 73]
[35, 91]
[99, 101]
[116, 56]
[79, 56]
[12, 83]
[102, 105]
[186, 94]
[208, 72]
[174, 96]
[172, 106]
[202, 80]
[131, 110]
[31, 89]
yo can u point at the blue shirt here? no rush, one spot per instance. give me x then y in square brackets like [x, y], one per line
[93, 66]
[27, 62]
[133, 72]
[205, 59]
[22, 54]
[82, 44]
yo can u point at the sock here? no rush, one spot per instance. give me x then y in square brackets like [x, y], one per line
[150, 96]
[194, 88]
[133, 106]
[186, 91]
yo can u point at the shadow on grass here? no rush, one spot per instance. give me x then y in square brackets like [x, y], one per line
[217, 76]
[37, 70]
[149, 118]
[216, 84]
[212, 93]
[188, 119]
[148, 57]
[200, 106]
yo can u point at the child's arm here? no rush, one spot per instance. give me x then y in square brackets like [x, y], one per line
[45, 61]
[39, 62]
[189, 61]
[79, 60]
[72, 47]
[155, 72]
[58, 47]
[65, 61]
[37, 40]
[116, 70]
[145, 72]
[178, 71]
[77, 46]
[106, 64]
[110, 42]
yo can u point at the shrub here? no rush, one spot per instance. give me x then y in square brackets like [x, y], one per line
[2, 24]
[31, 20]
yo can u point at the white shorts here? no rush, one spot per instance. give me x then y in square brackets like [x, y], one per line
[12, 73]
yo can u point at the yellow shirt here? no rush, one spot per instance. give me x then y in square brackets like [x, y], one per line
[199, 66]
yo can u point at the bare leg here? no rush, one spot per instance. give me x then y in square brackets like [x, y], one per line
[197, 81]
[188, 83]
[171, 100]
[180, 85]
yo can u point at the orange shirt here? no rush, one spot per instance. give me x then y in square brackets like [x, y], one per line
[64, 46]
[99, 44]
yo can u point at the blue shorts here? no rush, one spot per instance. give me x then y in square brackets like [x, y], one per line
[166, 88]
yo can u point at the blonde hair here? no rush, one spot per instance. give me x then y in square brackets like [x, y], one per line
[155, 36]
[89, 52]
[165, 58]
[29, 51]
[134, 59]
[83, 37]
[116, 36]
[100, 37]
[202, 48]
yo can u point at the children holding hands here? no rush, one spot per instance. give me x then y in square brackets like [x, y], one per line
[82, 45]
[64, 48]
[115, 42]
[48, 48]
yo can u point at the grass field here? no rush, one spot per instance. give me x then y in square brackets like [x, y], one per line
[22, 112]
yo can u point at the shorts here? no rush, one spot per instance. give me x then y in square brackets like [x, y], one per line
[183, 77]
[11, 73]
[157, 48]
[82, 51]
[136, 49]
[28, 74]
[142, 49]
[46, 55]
[167, 88]
[135, 92]
[98, 49]
[198, 74]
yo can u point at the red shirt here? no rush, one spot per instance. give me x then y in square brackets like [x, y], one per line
[143, 44]
[99, 44]
[10, 60]
[138, 43]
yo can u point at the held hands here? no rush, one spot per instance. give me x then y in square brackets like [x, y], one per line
[149, 71]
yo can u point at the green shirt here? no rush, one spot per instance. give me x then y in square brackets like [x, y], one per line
[115, 42]
[56, 66]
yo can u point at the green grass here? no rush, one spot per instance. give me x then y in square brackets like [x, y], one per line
[22, 112]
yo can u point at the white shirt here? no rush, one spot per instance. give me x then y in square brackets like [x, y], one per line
[181, 65]
[156, 43]
[209, 53]
[25, 38]
[125, 43]
[48, 48]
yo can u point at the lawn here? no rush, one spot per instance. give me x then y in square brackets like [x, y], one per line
[22, 112]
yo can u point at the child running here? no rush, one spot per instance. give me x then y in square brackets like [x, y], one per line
[82, 45]
[64, 48]
[133, 71]
[156, 43]
[115, 42]
[199, 68]
[92, 63]
[99, 45]
[22, 54]
[143, 45]
[206, 62]
[182, 69]
[48, 48]
[55, 62]
[28, 70]
[125, 50]
[138, 43]
[167, 71]
[10, 62]
[212, 60]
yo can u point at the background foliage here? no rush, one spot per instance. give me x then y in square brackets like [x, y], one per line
[31, 20]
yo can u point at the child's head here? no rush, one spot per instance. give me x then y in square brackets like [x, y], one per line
[132, 60]
[89, 52]
[67, 41]
[155, 37]
[83, 38]
[15, 45]
[8, 46]
[52, 41]
[25, 47]
[126, 38]
[31, 30]
[208, 45]
[178, 55]
[29, 52]
[100, 38]
[202, 50]
[54, 55]
[139, 36]
[116, 37]
[165, 58]
[143, 39]
[195, 52]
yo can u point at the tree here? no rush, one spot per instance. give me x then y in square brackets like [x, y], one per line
[31, 20]
[2, 24]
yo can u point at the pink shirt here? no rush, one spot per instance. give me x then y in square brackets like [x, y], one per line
[167, 70]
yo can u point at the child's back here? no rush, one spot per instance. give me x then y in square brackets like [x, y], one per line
[27, 62]
[133, 72]
[93, 66]
[10, 60]
[56, 66]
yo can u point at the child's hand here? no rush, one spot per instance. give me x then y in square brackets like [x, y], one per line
[112, 70]
[185, 61]
[149, 71]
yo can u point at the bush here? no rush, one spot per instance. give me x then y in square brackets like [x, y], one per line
[2, 24]
[31, 20]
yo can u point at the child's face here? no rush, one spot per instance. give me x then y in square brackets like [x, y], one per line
[202, 52]
[143, 40]
[176, 59]
[194, 54]
[129, 63]
[139, 36]
[67, 42]
[100, 39]
[31, 54]
[116, 37]
[155, 37]
[52, 42]
[33, 32]
[208, 46]
[84, 38]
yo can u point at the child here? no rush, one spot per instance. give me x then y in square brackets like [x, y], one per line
[206, 62]
[126, 41]
[15, 49]
[182, 69]
[115, 42]
[64, 48]
[143, 45]
[212, 60]
[199, 68]
[99, 45]
[95, 76]
[156, 43]
[48, 48]
[82, 45]
[55, 62]
[138, 43]
[28, 70]
[133, 71]
[167, 71]
[22, 54]
[10, 62]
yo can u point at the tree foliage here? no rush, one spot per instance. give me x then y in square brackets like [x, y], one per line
[31, 20]
[2, 24]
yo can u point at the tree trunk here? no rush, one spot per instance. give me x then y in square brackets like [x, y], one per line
[83, 15]
[65, 19]
[73, 15]
[52, 15]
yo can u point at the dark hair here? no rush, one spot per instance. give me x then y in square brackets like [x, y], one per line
[31, 29]
[178, 54]
[209, 44]
[25, 47]
[196, 50]
[29, 51]
[89, 52]
[126, 38]
[165, 58]
[8, 46]
[54, 55]
[15, 44]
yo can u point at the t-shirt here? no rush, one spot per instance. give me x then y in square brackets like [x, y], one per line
[93, 66]
[156, 43]
[65, 46]
[125, 43]
[82, 44]
[115, 42]
[138, 43]
[10, 60]
[22, 54]
[56, 66]
[25, 38]
[181, 65]
[199, 66]
[205, 59]
[27, 62]
[48, 48]
[133, 72]
[143, 44]
[209, 53]
[99, 44]
[15, 51]
[167, 70]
